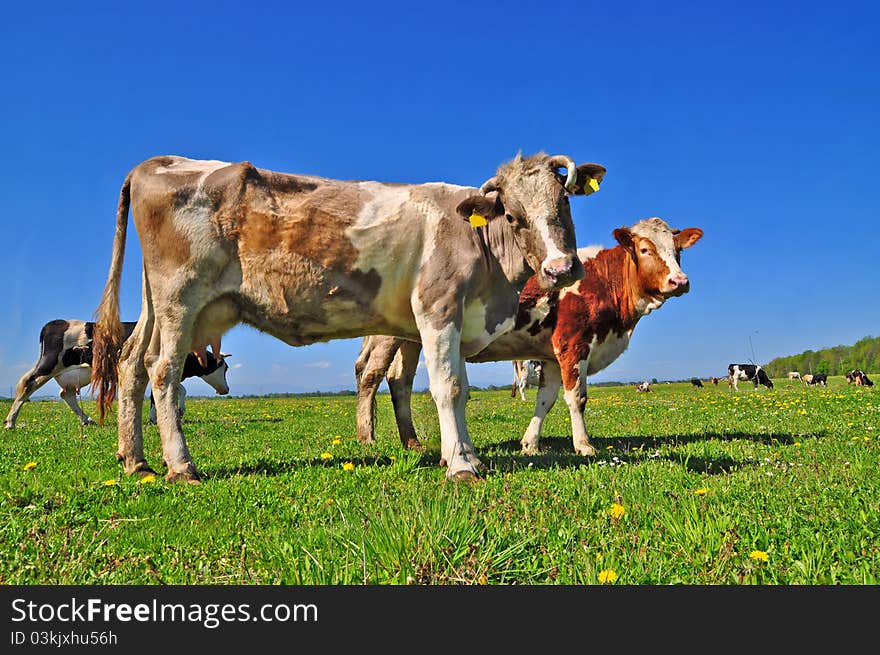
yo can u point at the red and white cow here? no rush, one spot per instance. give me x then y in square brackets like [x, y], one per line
[576, 331]
[66, 357]
[309, 259]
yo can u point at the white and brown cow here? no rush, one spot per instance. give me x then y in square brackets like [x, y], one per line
[66, 357]
[576, 331]
[309, 259]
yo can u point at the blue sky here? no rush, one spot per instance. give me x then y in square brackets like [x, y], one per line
[756, 122]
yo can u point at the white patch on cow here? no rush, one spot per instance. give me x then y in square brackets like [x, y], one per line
[602, 354]
[553, 251]
[206, 167]
[386, 205]
[75, 377]
[217, 379]
[74, 335]
[541, 309]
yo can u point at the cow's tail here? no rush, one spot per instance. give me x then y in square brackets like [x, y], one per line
[107, 343]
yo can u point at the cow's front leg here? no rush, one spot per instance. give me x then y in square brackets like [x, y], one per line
[574, 379]
[548, 392]
[448, 383]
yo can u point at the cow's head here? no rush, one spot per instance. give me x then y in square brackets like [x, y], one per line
[215, 373]
[531, 193]
[656, 250]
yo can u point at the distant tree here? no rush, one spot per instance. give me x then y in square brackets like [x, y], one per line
[654, 381]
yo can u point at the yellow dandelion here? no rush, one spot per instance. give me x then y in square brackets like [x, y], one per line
[759, 556]
[348, 466]
[393, 458]
[109, 483]
[616, 510]
[336, 441]
[147, 479]
[797, 444]
[702, 491]
[326, 456]
[607, 576]
[329, 501]
[483, 579]
[598, 556]
[29, 466]
[609, 447]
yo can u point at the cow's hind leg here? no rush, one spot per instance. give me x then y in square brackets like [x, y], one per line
[400, 382]
[548, 392]
[165, 372]
[68, 394]
[27, 385]
[369, 369]
[132, 385]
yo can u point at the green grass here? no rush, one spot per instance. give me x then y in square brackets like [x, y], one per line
[705, 477]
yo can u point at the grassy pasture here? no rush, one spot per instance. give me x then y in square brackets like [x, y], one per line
[692, 486]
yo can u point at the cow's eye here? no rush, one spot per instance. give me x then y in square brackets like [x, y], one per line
[644, 251]
[510, 218]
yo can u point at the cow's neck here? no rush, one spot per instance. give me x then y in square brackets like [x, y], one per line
[503, 246]
[617, 267]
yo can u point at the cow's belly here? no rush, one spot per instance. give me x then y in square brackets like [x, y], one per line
[518, 344]
[75, 377]
[604, 352]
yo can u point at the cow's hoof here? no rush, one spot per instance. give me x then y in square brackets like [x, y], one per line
[144, 472]
[585, 450]
[468, 477]
[413, 444]
[89, 421]
[529, 449]
[190, 476]
[8, 426]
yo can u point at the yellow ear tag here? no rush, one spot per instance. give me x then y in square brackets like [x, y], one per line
[591, 186]
[478, 220]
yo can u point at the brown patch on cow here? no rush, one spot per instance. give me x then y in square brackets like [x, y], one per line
[290, 232]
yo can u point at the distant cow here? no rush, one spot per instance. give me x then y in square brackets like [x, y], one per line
[644, 387]
[525, 373]
[859, 378]
[576, 332]
[818, 378]
[750, 372]
[66, 357]
[794, 375]
[714, 380]
[696, 382]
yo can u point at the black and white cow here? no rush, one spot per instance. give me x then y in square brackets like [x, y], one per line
[859, 378]
[751, 372]
[818, 378]
[697, 382]
[66, 357]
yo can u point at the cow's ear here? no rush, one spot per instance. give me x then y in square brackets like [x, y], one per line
[589, 177]
[625, 238]
[687, 237]
[474, 208]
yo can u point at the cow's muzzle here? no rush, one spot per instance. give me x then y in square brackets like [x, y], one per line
[561, 272]
[678, 285]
